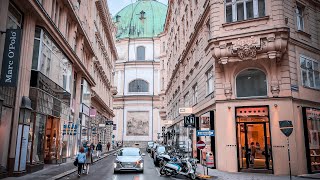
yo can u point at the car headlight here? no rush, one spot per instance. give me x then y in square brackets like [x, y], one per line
[115, 165]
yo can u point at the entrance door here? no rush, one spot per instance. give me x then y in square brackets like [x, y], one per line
[254, 145]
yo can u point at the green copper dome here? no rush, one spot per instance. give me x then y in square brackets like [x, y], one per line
[142, 19]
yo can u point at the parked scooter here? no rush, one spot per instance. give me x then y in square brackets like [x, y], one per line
[185, 167]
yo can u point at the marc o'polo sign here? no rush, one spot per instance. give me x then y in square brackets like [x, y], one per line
[11, 58]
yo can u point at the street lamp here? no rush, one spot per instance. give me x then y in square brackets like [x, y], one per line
[25, 111]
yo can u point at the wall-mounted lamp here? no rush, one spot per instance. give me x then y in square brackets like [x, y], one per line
[275, 105]
[298, 106]
[229, 107]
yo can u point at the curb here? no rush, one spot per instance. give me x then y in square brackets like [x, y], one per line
[59, 176]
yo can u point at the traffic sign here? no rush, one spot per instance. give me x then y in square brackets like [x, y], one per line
[109, 122]
[201, 145]
[205, 132]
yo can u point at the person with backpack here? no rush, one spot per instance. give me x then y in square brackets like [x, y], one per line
[88, 159]
[99, 149]
[81, 158]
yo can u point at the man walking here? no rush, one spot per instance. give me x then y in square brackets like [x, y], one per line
[99, 149]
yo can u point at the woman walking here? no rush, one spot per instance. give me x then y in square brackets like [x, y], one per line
[81, 156]
[88, 159]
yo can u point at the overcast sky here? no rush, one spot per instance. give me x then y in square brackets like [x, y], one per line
[116, 5]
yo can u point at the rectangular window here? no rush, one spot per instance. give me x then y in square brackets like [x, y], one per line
[299, 14]
[310, 72]
[239, 10]
[209, 75]
[186, 100]
[195, 94]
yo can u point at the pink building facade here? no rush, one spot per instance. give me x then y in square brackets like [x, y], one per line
[56, 84]
[244, 66]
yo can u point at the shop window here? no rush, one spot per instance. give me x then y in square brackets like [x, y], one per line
[50, 60]
[310, 72]
[251, 83]
[141, 53]
[239, 10]
[138, 85]
[299, 15]
[312, 135]
[86, 93]
[37, 130]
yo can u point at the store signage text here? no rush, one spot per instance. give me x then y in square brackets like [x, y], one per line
[11, 58]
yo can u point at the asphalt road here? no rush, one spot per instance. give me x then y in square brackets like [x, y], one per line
[103, 170]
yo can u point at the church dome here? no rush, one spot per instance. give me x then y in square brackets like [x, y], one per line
[142, 19]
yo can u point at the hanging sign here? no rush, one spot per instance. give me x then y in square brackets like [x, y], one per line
[11, 58]
[190, 121]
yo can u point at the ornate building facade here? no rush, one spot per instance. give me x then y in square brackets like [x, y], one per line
[244, 66]
[57, 81]
[137, 72]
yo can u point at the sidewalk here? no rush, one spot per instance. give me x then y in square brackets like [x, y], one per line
[310, 176]
[220, 175]
[56, 171]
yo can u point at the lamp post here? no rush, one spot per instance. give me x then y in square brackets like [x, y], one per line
[23, 134]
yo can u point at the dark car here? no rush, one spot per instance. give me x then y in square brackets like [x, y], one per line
[149, 146]
[153, 149]
[158, 151]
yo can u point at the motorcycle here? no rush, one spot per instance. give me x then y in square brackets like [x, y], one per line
[186, 167]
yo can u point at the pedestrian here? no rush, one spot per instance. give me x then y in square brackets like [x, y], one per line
[92, 146]
[117, 144]
[108, 145]
[88, 159]
[99, 149]
[81, 156]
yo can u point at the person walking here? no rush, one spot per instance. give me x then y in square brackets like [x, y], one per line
[108, 145]
[88, 159]
[99, 149]
[81, 156]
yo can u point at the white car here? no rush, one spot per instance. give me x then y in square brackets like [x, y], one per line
[129, 159]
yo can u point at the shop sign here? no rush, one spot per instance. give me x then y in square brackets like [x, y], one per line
[286, 127]
[11, 58]
[94, 130]
[93, 112]
[109, 123]
[185, 110]
[114, 126]
[85, 109]
[205, 132]
[69, 129]
[190, 121]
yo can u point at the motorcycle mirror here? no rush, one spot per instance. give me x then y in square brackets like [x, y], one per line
[143, 154]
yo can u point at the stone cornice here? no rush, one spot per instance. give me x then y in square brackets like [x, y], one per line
[136, 97]
[266, 44]
[60, 39]
[101, 102]
[189, 45]
[106, 21]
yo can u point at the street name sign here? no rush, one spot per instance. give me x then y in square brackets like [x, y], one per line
[205, 132]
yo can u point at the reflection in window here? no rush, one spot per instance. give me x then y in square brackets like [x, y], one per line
[251, 82]
[138, 85]
[141, 53]
[310, 72]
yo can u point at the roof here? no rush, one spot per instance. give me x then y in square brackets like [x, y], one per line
[142, 19]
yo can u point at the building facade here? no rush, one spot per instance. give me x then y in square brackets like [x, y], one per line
[56, 81]
[137, 72]
[244, 66]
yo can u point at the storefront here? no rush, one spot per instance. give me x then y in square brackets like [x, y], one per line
[311, 121]
[86, 132]
[205, 122]
[253, 139]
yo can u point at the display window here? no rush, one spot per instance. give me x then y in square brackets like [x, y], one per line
[312, 135]
[52, 140]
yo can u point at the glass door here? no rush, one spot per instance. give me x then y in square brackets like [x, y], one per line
[253, 145]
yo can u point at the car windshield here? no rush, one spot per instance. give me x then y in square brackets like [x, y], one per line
[129, 152]
[150, 144]
[155, 145]
[161, 149]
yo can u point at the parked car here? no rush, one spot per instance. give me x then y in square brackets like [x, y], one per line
[158, 151]
[149, 146]
[129, 159]
[153, 149]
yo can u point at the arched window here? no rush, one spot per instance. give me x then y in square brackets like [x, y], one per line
[251, 82]
[138, 85]
[141, 53]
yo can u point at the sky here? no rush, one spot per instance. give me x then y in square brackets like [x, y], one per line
[116, 5]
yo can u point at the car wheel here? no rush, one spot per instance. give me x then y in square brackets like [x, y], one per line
[141, 171]
[115, 172]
